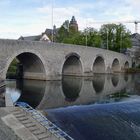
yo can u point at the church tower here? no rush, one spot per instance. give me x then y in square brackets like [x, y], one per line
[73, 24]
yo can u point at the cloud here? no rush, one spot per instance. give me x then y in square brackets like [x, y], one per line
[59, 12]
[15, 22]
[15, 32]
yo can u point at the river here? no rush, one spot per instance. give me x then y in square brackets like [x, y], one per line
[103, 107]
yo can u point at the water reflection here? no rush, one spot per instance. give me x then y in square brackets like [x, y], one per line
[102, 106]
[118, 96]
[29, 91]
[136, 84]
[14, 93]
[32, 92]
[115, 80]
[126, 77]
[98, 82]
[71, 88]
[71, 91]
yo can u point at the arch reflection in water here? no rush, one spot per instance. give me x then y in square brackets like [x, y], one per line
[32, 91]
[126, 77]
[115, 80]
[98, 82]
[69, 91]
[71, 87]
[136, 82]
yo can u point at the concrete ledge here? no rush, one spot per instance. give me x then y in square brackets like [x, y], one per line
[8, 100]
[18, 128]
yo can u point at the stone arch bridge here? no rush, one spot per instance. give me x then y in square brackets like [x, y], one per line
[49, 61]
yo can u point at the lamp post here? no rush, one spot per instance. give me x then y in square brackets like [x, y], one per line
[52, 3]
[120, 42]
[107, 38]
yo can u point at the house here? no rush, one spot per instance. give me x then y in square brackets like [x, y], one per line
[42, 37]
[134, 52]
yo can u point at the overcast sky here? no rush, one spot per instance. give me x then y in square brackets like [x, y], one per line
[32, 17]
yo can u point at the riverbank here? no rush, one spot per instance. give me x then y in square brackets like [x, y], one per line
[133, 70]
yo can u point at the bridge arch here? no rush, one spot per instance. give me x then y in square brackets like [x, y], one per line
[99, 65]
[115, 65]
[33, 64]
[72, 65]
[126, 65]
[133, 65]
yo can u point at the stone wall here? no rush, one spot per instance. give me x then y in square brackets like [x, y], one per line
[52, 57]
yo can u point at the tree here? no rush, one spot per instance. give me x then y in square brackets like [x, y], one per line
[111, 36]
[62, 34]
[115, 37]
[93, 37]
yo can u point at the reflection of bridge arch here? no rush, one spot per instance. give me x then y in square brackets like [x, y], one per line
[71, 88]
[72, 65]
[115, 65]
[32, 91]
[99, 65]
[98, 83]
[115, 80]
[53, 96]
[126, 77]
[32, 62]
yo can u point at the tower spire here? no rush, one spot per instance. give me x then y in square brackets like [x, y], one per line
[73, 24]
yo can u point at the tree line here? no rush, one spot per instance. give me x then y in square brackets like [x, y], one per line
[110, 36]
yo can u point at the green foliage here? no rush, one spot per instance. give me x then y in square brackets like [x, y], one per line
[62, 34]
[13, 66]
[116, 36]
[119, 95]
[138, 66]
[93, 37]
[76, 38]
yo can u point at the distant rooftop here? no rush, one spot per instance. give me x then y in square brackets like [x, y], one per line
[30, 38]
[42, 37]
[135, 38]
